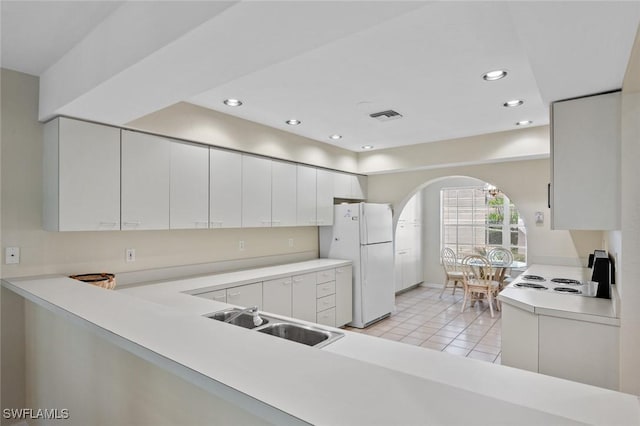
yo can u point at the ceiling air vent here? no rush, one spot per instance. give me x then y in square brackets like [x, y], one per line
[386, 115]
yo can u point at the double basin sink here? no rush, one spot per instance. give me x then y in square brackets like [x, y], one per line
[285, 329]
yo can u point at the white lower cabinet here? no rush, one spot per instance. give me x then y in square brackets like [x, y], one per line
[581, 351]
[303, 303]
[324, 297]
[276, 296]
[327, 317]
[217, 295]
[246, 295]
[519, 338]
[344, 295]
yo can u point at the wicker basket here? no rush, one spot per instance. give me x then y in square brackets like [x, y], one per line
[103, 280]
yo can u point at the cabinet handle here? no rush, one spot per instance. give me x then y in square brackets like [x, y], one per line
[219, 297]
[277, 222]
[549, 195]
[108, 223]
[285, 282]
[234, 294]
[202, 222]
[339, 271]
[215, 223]
[297, 280]
[132, 223]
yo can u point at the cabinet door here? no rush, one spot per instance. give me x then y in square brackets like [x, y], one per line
[399, 269]
[283, 194]
[217, 295]
[344, 295]
[327, 317]
[256, 192]
[225, 189]
[277, 296]
[304, 297]
[146, 163]
[585, 151]
[87, 171]
[247, 295]
[342, 185]
[324, 198]
[306, 196]
[359, 187]
[189, 189]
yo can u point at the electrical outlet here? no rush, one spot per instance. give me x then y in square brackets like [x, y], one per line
[241, 245]
[12, 255]
[290, 242]
[130, 255]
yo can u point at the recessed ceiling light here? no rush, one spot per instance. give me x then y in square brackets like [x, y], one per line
[367, 147]
[524, 123]
[293, 122]
[495, 75]
[233, 102]
[335, 137]
[513, 103]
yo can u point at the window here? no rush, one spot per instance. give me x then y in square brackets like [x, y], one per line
[477, 219]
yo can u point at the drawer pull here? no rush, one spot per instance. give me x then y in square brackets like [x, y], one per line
[234, 294]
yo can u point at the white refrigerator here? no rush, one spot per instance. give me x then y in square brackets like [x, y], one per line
[363, 233]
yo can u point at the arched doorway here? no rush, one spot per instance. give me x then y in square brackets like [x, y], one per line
[469, 215]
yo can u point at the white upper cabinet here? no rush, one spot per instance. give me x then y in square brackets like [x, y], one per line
[324, 197]
[225, 189]
[585, 157]
[189, 190]
[256, 192]
[81, 176]
[349, 186]
[146, 174]
[306, 196]
[283, 194]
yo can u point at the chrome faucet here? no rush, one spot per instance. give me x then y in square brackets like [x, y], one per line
[252, 310]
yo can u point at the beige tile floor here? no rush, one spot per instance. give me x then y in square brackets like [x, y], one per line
[424, 319]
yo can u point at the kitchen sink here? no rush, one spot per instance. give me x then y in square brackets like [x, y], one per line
[284, 329]
[306, 335]
[243, 320]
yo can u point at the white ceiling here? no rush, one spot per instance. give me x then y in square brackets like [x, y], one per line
[328, 64]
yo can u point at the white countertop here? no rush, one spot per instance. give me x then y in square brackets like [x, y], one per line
[546, 302]
[356, 380]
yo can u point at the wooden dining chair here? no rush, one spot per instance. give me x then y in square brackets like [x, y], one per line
[479, 282]
[452, 272]
[502, 258]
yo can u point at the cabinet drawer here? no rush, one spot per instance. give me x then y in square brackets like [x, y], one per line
[326, 302]
[325, 289]
[246, 295]
[326, 276]
[217, 295]
[327, 317]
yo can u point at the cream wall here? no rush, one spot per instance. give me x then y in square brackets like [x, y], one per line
[188, 121]
[525, 182]
[81, 252]
[525, 143]
[627, 241]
